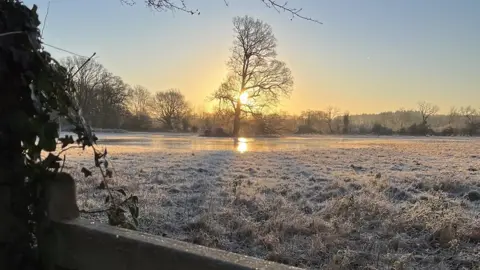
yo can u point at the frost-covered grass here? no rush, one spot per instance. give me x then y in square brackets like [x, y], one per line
[345, 204]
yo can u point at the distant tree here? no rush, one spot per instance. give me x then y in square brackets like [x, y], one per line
[138, 99]
[169, 107]
[257, 80]
[404, 117]
[101, 96]
[346, 123]
[86, 81]
[329, 115]
[472, 119]
[453, 116]
[269, 124]
[426, 110]
[111, 102]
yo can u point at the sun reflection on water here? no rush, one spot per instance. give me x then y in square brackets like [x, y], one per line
[241, 145]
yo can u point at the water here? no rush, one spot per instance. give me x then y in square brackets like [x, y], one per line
[194, 142]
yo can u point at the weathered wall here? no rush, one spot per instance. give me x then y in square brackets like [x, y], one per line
[82, 245]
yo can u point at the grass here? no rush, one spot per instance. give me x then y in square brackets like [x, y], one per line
[401, 206]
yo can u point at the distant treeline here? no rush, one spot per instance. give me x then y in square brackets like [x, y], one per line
[110, 104]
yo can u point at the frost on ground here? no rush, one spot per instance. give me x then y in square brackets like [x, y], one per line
[370, 204]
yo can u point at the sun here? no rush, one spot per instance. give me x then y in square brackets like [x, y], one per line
[244, 98]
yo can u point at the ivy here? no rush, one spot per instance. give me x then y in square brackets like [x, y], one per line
[35, 91]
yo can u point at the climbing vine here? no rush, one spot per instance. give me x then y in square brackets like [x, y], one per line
[35, 92]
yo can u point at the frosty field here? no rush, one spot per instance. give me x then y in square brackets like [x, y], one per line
[333, 202]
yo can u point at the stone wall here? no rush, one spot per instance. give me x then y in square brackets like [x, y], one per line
[85, 245]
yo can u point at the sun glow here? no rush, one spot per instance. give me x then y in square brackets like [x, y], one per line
[241, 144]
[244, 98]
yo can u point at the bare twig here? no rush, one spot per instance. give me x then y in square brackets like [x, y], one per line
[80, 68]
[63, 50]
[63, 163]
[163, 5]
[46, 16]
[295, 12]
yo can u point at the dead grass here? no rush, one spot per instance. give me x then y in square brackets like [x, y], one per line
[402, 207]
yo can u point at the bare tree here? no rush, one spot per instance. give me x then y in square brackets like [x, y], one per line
[86, 81]
[472, 116]
[346, 122]
[138, 98]
[404, 117]
[101, 95]
[179, 5]
[453, 116]
[111, 101]
[169, 107]
[426, 110]
[257, 80]
[329, 115]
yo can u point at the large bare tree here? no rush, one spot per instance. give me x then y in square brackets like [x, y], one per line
[257, 80]
[169, 107]
[426, 110]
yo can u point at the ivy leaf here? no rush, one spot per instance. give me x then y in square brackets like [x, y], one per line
[86, 172]
[66, 141]
[134, 199]
[134, 212]
[135, 220]
[52, 161]
[121, 191]
[48, 135]
[97, 157]
[102, 185]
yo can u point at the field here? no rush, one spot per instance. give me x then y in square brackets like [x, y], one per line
[332, 202]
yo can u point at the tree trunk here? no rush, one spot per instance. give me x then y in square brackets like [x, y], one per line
[236, 120]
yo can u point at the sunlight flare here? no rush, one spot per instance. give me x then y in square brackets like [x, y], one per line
[244, 98]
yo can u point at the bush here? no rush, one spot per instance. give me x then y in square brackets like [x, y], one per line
[306, 129]
[419, 130]
[378, 129]
[448, 131]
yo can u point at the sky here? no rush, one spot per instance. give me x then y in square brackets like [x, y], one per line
[368, 56]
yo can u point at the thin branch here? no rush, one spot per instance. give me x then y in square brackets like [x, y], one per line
[46, 16]
[295, 12]
[88, 60]
[11, 33]
[163, 5]
[63, 50]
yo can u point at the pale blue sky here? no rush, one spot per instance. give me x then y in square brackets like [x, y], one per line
[368, 56]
